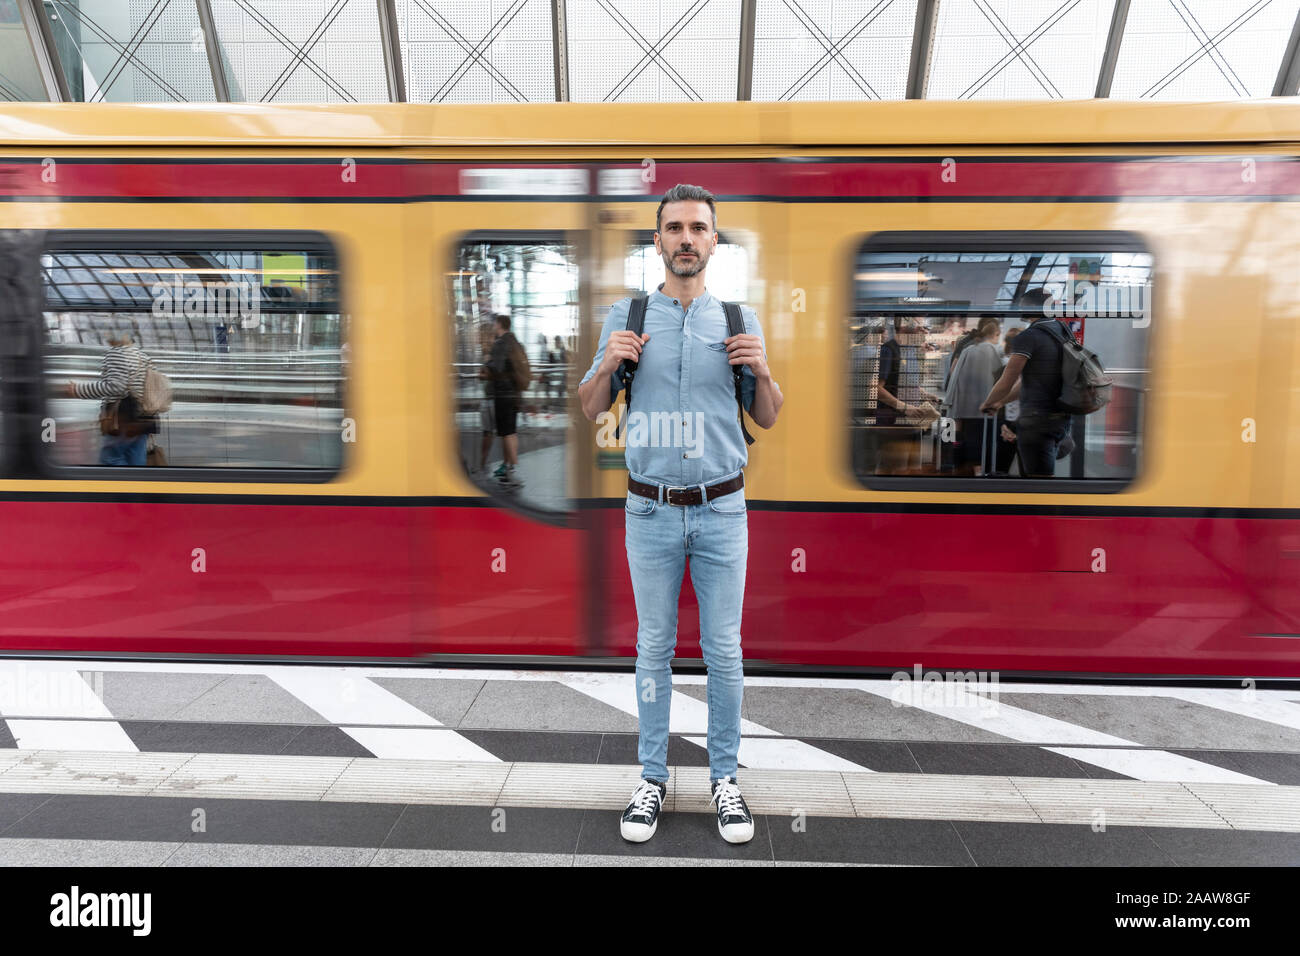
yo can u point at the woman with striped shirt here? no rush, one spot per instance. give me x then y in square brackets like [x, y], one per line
[121, 374]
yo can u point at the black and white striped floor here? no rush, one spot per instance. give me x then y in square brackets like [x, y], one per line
[109, 763]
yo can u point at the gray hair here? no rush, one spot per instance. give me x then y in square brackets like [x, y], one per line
[685, 192]
[111, 331]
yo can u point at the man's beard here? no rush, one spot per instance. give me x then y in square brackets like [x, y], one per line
[684, 267]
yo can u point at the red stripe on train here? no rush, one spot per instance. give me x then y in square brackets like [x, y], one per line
[920, 180]
[1178, 596]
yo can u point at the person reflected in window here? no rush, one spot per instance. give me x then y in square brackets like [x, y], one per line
[973, 375]
[505, 396]
[900, 445]
[1008, 414]
[1034, 366]
[963, 342]
[120, 387]
[559, 358]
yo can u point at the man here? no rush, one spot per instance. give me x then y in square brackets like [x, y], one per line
[505, 397]
[1034, 373]
[686, 503]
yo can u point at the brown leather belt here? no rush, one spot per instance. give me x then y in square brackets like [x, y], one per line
[689, 495]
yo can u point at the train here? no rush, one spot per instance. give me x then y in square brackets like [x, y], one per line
[316, 281]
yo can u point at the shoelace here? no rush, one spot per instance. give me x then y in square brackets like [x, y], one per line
[647, 794]
[727, 797]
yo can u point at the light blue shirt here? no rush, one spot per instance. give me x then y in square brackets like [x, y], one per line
[683, 428]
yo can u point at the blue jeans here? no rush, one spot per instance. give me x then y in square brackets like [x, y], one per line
[660, 538]
[124, 451]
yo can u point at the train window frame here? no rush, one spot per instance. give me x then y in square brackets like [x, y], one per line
[976, 241]
[18, 341]
[270, 240]
[579, 239]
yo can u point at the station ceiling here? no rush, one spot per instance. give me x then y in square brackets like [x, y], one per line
[505, 51]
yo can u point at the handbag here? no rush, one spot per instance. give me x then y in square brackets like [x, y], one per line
[110, 417]
[121, 417]
[156, 395]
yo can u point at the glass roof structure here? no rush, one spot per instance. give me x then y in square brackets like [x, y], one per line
[512, 51]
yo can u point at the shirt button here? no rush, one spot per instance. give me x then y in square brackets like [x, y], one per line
[683, 455]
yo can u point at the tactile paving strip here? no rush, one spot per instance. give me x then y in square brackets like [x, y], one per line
[599, 786]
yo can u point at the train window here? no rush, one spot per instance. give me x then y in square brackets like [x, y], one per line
[513, 293]
[249, 335]
[937, 319]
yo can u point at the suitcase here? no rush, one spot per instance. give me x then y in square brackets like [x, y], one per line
[989, 450]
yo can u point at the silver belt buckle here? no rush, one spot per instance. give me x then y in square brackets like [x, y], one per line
[668, 494]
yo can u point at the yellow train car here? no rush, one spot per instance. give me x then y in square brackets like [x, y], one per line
[315, 283]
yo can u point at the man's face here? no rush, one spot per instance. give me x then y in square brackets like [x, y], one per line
[685, 238]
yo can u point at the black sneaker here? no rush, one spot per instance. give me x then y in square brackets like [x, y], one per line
[735, 822]
[641, 817]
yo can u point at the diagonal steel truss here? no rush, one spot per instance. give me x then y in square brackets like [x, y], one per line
[45, 31]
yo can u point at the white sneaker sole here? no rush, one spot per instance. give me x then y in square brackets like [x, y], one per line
[636, 832]
[736, 835]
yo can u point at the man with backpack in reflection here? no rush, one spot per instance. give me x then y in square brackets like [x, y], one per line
[509, 373]
[1055, 378]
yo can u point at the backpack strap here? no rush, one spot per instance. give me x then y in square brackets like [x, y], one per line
[1066, 338]
[736, 326]
[1061, 333]
[627, 370]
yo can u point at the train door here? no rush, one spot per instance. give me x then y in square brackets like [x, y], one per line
[508, 570]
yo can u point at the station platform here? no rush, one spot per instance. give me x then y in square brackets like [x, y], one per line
[122, 763]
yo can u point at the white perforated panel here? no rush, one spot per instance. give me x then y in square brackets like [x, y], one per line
[1018, 49]
[832, 49]
[490, 52]
[340, 60]
[1167, 47]
[697, 44]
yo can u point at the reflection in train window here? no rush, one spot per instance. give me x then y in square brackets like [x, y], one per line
[514, 301]
[935, 325]
[250, 339]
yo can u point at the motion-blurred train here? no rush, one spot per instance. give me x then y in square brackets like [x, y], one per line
[315, 282]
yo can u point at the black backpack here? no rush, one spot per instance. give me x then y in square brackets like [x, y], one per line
[1085, 386]
[636, 322]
